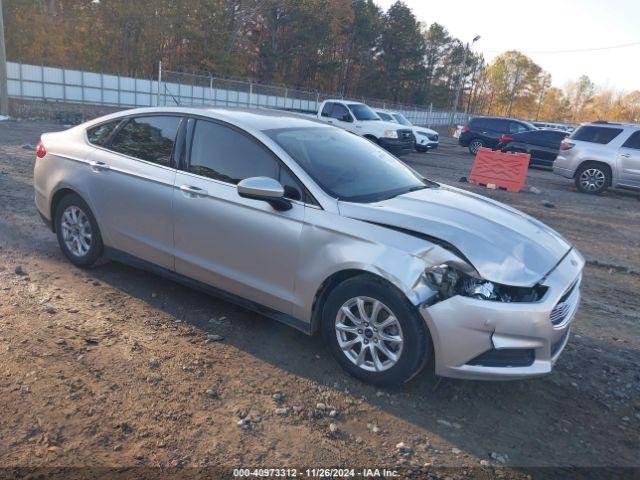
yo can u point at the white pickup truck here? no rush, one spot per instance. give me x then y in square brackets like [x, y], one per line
[362, 120]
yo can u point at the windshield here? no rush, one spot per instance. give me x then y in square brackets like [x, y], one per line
[362, 112]
[401, 119]
[385, 116]
[345, 165]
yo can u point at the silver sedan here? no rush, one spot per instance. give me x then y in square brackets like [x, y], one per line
[317, 228]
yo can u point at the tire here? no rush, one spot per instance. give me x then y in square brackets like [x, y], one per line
[592, 178]
[410, 354]
[421, 149]
[77, 231]
[475, 145]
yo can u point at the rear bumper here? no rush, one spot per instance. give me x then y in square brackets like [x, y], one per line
[562, 171]
[396, 146]
[484, 340]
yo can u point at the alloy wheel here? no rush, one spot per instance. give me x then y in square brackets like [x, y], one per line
[76, 231]
[592, 180]
[476, 145]
[369, 334]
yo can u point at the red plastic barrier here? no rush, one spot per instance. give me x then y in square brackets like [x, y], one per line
[504, 170]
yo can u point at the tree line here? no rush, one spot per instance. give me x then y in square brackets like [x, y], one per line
[348, 47]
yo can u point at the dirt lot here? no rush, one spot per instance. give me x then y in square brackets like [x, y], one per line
[110, 367]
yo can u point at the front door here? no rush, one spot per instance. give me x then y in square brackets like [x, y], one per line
[239, 245]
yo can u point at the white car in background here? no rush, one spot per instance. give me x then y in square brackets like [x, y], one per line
[426, 139]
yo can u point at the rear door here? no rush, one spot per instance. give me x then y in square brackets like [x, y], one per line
[239, 245]
[543, 145]
[629, 160]
[132, 186]
[493, 129]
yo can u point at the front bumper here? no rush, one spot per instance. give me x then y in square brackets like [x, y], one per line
[397, 146]
[486, 340]
[423, 143]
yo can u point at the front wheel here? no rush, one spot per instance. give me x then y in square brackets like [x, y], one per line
[475, 145]
[374, 332]
[592, 178]
[77, 231]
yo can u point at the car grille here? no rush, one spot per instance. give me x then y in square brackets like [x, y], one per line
[405, 135]
[566, 306]
[505, 357]
[433, 138]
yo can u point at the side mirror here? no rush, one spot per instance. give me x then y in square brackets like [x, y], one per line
[266, 189]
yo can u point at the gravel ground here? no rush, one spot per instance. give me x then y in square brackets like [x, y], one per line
[111, 367]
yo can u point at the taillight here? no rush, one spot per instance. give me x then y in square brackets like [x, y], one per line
[567, 145]
[41, 151]
[505, 139]
[464, 129]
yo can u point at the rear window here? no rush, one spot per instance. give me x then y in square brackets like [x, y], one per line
[594, 134]
[98, 135]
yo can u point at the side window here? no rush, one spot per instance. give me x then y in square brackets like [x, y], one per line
[515, 127]
[148, 138]
[633, 141]
[224, 154]
[477, 124]
[340, 112]
[497, 125]
[98, 135]
[326, 110]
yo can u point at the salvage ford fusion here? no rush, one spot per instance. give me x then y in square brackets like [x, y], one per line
[320, 229]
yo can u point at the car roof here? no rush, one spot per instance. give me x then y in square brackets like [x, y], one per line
[257, 119]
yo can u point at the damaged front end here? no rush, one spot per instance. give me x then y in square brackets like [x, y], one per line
[447, 281]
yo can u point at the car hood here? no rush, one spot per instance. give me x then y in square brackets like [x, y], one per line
[503, 244]
[425, 130]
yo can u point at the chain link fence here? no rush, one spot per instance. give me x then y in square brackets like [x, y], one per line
[36, 82]
[179, 88]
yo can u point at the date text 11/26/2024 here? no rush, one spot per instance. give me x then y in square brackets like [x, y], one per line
[315, 473]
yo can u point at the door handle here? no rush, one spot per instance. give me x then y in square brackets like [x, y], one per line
[330, 121]
[192, 191]
[99, 166]
[625, 155]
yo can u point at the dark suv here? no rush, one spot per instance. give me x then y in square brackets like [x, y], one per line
[486, 131]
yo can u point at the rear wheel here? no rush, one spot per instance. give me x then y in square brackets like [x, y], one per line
[374, 332]
[592, 178]
[475, 145]
[77, 231]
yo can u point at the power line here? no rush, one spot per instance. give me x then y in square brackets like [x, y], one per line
[575, 50]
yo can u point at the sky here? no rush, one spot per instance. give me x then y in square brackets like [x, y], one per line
[539, 26]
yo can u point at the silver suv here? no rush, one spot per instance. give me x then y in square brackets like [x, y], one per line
[317, 228]
[601, 155]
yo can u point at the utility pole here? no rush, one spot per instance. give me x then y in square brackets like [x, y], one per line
[4, 93]
[461, 81]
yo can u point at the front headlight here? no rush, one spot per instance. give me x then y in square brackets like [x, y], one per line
[391, 133]
[449, 281]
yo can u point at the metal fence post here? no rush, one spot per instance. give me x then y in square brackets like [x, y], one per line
[102, 88]
[250, 94]
[42, 81]
[20, 78]
[118, 90]
[159, 82]
[82, 87]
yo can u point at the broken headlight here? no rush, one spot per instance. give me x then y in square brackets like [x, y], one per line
[448, 281]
